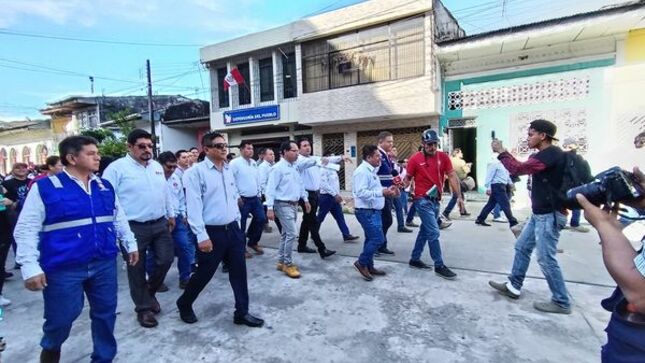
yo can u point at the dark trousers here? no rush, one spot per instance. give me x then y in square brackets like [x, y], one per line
[329, 204]
[5, 245]
[253, 206]
[310, 223]
[150, 237]
[498, 195]
[275, 220]
[228, 244]
[386, 218]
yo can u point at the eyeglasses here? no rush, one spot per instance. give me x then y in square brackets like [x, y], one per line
[144, 146]
[220, 145]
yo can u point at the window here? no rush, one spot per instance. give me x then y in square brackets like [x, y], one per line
[223, 95]
[289, 75]
[26, 155]
[386, 52]
[266, 79]
[243, 89]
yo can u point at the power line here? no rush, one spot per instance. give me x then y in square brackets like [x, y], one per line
[87, 40]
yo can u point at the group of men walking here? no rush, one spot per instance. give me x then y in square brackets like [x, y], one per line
[69, 229]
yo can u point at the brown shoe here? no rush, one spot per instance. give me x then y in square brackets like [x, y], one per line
[258, 250]
[364, 271]
[375, 272]
[147, 319]
[49, 356]
[155, 307]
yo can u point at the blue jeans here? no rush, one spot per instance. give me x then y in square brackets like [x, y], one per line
[404, 201]
[499, 197]
[398, 208]
[254, 207]
[428, 231]
[411, 212]
[386, 219]
[63, 298]
[370, 220]
[575, 218]
[541, 231]
[497, 211]
[184, 247]
[329, 204]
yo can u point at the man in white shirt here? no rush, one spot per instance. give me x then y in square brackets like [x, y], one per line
[310, 174]
[265, 167]
[213, 215]
[330, 201]
[369, 200]
[285, 189]
[67, 245]
[140, 185]
[247, 179]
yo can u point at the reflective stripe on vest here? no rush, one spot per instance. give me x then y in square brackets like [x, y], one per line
[54, 179]
[77, 223]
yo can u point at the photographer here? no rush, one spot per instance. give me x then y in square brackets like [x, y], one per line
[626, 329]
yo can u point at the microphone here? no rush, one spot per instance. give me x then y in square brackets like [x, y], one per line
[396, 180]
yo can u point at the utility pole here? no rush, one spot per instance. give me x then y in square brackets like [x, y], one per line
[150, 113]
[92, 84]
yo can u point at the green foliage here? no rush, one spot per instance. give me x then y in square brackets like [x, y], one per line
[109, 143]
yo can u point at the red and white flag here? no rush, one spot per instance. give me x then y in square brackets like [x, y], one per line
[233, 78]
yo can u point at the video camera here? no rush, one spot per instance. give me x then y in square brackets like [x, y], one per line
[610, 186]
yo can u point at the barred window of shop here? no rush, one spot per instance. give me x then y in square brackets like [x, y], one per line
[243, 90]
[266, 79]
[289, 75]
[223, 95]
[386, 52]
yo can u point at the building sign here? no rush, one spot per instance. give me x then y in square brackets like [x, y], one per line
[248, 115]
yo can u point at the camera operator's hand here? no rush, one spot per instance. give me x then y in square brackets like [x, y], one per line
[639, 178]
[599, 218]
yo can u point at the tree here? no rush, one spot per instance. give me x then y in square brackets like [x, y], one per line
[111, 144]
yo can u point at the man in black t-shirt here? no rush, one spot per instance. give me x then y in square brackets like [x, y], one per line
[542, 231]
[16, 192]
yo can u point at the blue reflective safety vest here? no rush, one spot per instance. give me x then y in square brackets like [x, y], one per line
[78, 227]
[385, 170]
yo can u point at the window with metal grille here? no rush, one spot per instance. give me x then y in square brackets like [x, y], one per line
[223, 95]
[289, 75]
[266, 79]
[243, 90]
[335, 144]
[386, 52]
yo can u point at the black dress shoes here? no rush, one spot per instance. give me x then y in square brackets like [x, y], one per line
[384, 250]
[186, 313]
[155, 307]
[248, 320]
[50, 356]
[306, 249]
[350, 238]
[147, 319]
[326, 253]
[482, 223]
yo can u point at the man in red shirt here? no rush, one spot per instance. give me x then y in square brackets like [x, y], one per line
[428, 168]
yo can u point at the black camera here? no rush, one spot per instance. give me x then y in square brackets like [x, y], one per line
[610, 186]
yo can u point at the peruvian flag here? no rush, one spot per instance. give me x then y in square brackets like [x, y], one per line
[233, 78]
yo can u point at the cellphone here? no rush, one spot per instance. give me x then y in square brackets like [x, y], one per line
[432, 193]
[492, 134]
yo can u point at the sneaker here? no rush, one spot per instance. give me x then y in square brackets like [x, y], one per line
[580, 229]
[4, 301]
[419, 264]
[517, 229]
[482, 223]
[446, 216]
[444, 224]
[551, 307]
[292, 271]
[445, 272]
[500, 220]
[280, 266]
[411, 224]
[502, 287]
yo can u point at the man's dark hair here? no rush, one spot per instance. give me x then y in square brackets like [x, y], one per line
[383, 135]
[52, 161]
[301, 140]
[166, 156]
[286, 146]
[368, 150]
[244, 143]
[73, 145]
[230, 156]
[207, 139]
[42, 168]
[137, 134]
[201, 156]
[193, 148]
[179, 152]
[262, 151]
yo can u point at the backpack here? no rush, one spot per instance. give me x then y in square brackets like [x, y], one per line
[576, 172]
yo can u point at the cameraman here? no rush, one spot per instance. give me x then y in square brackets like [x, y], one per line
[626, 329]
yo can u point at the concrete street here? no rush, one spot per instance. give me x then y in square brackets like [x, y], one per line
[332, 315]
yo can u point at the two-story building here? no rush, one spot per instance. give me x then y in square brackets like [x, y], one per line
[339, 78]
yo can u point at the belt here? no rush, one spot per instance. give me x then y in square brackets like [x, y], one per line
[152, 221]
[313, 191]
[224, 227]
[632, 317]
[287, 202]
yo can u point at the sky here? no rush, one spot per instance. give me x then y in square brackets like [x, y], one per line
[50, 48]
